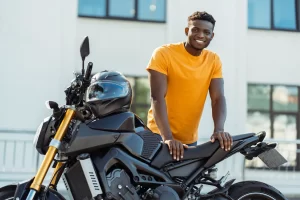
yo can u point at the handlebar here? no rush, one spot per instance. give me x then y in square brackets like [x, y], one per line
[88, 71]
[75, 93]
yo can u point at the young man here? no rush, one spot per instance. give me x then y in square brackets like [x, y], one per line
[181, 74]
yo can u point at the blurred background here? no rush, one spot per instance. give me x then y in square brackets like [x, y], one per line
[258, 42]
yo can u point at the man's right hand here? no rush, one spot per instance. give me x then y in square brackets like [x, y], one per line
[176, 148]
[158, 85]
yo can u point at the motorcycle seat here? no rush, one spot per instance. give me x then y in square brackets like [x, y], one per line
[242, 136]
[201, 151]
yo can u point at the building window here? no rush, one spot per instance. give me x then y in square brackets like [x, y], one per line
[121, 8]
[151, 10]
[136, 10]
[92, 8]
[274, 14]
[141, 96]
[275, 109]
[259, 14]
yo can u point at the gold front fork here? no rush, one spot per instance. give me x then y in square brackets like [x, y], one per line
[40, 176]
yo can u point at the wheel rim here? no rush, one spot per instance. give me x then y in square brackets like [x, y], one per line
[255, 196]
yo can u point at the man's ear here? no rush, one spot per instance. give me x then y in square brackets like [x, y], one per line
[186, 30]
[212, 36]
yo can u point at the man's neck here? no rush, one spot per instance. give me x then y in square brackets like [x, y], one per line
[191, 50]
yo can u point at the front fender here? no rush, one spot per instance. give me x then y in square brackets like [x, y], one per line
[11, 187]
[22, 190]
[8, 187]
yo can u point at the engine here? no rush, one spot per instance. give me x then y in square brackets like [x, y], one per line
[121, 187]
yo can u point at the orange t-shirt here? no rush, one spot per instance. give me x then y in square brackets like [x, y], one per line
[188, 79]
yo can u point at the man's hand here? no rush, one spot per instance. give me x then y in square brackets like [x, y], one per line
[176, 148]
[224, 138]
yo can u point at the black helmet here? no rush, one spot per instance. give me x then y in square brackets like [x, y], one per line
[109, 92]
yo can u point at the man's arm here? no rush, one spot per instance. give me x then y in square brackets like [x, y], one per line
[219, 112]
[218, 103]
[158, 88]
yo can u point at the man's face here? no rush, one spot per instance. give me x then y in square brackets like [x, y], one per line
[199, 33]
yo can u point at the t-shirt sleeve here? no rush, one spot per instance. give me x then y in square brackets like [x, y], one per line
[218, 73]
[158, 61]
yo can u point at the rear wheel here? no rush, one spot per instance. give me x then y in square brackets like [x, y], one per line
[7, 193]
[254, 190]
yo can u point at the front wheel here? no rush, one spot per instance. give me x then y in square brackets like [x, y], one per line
[253, 190]
[7, 193]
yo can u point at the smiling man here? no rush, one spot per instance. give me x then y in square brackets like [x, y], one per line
[181, 75]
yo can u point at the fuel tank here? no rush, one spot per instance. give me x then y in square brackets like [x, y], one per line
[118, 129]
[121, 122]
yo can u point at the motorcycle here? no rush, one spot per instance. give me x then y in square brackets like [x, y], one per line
[118, 157]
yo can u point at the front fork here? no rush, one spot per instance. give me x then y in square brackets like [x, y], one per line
[53, 148]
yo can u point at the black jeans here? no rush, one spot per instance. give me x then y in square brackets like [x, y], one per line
[193, 144]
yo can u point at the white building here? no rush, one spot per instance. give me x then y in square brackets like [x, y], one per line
[39, 50]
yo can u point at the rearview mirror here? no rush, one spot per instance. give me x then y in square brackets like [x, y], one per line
[85, 48]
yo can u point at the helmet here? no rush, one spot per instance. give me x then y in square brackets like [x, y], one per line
[109, 92]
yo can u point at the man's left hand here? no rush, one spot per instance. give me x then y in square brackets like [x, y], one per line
[224, 138]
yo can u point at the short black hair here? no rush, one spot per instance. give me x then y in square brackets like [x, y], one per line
[202, 16]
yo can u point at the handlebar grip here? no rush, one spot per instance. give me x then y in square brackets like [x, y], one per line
[88, 71]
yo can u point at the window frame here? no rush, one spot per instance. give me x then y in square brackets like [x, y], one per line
[135, 18]
[272, 113]
[272, 27]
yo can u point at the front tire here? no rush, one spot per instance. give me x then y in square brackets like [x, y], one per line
[250, 190]
[7, 193]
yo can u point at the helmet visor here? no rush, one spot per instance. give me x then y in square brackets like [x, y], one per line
[106, 90]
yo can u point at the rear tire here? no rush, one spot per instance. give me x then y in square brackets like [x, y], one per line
[250, 190]
[7, 193]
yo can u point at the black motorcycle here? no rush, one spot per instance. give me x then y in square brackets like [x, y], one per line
[116, 156]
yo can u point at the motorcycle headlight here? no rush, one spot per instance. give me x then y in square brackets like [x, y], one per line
[37, 133]
[40, 138]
